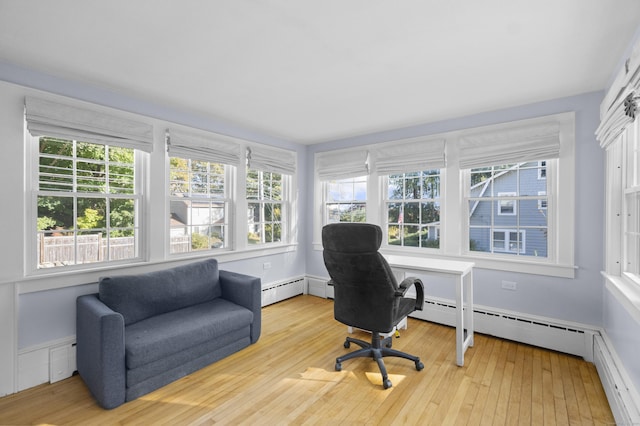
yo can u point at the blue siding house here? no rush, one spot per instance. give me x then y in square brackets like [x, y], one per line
[508, 209]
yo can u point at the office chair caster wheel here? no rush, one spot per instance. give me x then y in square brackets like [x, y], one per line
[386, 383]
[419, 365]
[338, 366]
[347, 345]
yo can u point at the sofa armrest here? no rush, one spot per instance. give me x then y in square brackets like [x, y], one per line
[100, 351]
[244, 290]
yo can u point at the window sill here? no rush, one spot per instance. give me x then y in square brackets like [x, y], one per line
[626, 291]
[510, 265]
[50, 279]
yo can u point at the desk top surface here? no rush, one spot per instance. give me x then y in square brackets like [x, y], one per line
[430, 264]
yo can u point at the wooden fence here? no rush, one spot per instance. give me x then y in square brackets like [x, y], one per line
[61, 250]
[180, 244]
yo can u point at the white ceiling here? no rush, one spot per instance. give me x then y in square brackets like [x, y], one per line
[309, 71]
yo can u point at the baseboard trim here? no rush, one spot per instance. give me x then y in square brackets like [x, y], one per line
[623, 398]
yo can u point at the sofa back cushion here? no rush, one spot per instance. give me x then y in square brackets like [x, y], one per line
[142, 296]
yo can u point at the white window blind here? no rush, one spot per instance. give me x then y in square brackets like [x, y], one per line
[267, 159]
[410, 155]
[49, 118]
[510, 146]
[210, 147]
[342, 164]
[615, 120]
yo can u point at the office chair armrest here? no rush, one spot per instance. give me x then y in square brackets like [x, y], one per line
[417, 283]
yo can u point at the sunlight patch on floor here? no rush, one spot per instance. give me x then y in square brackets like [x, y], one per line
[321, 374]
[376, 378]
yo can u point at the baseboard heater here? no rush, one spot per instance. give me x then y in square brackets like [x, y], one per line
[537, 331]
[281, 290]
[623, 400]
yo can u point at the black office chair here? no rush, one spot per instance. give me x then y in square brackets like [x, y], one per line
[366, 293]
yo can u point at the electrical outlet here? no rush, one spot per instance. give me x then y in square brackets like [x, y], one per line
[266, 265]
[509, 285]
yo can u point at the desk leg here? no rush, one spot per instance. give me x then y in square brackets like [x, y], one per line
[460, 321]
[468, 283]
[464, 316]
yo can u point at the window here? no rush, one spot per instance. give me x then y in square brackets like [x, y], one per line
[201, 167]
[268, 193]
[341, 187]
[413, 209]
[508, 241]
[631, 200]
[199, 205]
[346, 200]
[504, 206]
[86, 180]
[542, 202]
[86, 202]
[619, 135]
[542, 169]
[266, 207]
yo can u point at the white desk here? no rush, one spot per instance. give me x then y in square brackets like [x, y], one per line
[463, 274]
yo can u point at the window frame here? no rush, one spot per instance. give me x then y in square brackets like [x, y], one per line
[228, 207]
[555, 244]
[285, 210]
[386, 201]
[31, 260]
[353, 181]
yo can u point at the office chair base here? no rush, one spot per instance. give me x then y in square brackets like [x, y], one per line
[377, 349]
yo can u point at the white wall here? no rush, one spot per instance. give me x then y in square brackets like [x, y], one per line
[576, 300]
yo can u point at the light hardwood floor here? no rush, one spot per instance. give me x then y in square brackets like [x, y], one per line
[288, 377]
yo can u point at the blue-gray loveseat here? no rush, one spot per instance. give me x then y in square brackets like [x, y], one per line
[141, 332]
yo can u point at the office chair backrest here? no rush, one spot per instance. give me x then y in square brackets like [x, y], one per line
[364, 285]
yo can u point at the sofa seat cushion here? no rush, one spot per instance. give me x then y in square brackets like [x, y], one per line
[163, 335]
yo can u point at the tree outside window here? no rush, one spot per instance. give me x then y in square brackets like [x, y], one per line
[265, 203]
[86, 203]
